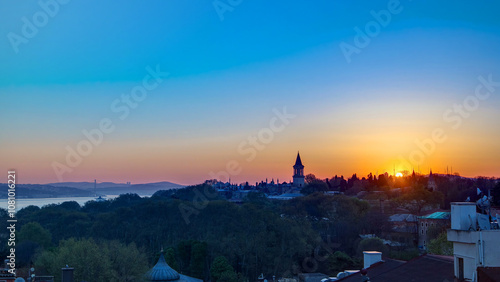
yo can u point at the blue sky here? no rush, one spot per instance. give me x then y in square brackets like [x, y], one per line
[227, 76]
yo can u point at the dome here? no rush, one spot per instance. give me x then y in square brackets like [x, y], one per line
[162, 271]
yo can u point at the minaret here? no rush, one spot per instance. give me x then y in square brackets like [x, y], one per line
[298, 172]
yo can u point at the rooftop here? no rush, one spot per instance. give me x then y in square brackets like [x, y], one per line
[426, 268]
[437, 215]
[162, 271]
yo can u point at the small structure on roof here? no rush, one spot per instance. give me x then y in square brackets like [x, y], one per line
[162, 272]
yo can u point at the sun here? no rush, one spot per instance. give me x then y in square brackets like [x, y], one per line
[399, 174]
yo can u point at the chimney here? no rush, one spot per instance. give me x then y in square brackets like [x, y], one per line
[463, 216]
[371, 257]
[67, 274]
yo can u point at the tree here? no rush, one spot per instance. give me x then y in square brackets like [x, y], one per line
[377, 223]
[32, 238]
[256, 198]
[89, 260]
[434, 231]
[170, 259]
[441, 246]
[106, 261]
[313, 184]
[228, 276]
[221, 269]
[184, 252]
[34, 232]
[126, 261]
[419, 198]
[372, 244]
[198, 256]
[310, 178]
[341, 261]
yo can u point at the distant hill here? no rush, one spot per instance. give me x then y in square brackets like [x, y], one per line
[84, 189]
[88, 185]
[44, 191]
[111, 188]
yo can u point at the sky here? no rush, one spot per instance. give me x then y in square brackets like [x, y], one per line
[147, 91]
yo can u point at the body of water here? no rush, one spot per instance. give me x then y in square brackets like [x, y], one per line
[40, 202]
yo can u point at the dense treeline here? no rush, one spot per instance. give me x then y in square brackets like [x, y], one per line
[197, 229]
[451, 188]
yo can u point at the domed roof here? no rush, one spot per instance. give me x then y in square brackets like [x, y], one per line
[162, 271]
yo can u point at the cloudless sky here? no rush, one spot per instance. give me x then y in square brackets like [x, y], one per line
[227, 77]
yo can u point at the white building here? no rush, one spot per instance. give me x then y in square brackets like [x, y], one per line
[476, 245]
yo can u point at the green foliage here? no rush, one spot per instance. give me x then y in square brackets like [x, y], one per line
[228, 276]
[256, 198]
[198, 257]
[63, 221]
[171, 260]
[259, 236]
[441, 246]
[221, 269]
[341, 261]
[434, 231]
[342, 218]
[88, 259]
[110, 261]
[70, 205]
[127, 262]
[32, 238]
[34, 232]
[313, 184]
[372, 244]
[202, 192]
[418, 198]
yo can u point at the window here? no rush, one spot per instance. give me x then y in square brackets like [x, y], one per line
[426, 224]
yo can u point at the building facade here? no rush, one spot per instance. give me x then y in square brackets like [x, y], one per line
[437, 220]
[476, 241]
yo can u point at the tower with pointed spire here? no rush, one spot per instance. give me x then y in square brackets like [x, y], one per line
[298, 172]
[431, 184]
